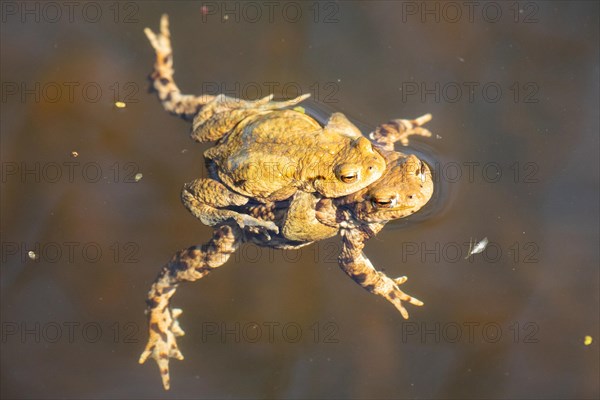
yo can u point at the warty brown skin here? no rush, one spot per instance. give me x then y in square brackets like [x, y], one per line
[264, 151]
[297, 221]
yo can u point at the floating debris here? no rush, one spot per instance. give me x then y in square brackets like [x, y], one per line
[120, 104]
[74, 154]
[478, 248]
[587, 340]
[32, 254]
[138, 177]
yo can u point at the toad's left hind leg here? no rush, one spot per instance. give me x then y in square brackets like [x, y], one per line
[185, 266]
[359, 268]
[183, 105]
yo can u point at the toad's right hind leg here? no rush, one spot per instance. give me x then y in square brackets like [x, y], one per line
[183, 105]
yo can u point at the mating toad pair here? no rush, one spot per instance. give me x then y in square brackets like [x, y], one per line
[280, 179]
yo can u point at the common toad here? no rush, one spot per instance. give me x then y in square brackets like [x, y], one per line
[305, 216]
[264, 151]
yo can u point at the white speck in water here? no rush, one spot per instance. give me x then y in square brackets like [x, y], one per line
[32, 254]
[461, 59]
[138, 177]
[74, 154]
[478, 248]
[437, 136]
[120, 104]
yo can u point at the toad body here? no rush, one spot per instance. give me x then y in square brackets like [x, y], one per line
[264, 174]
[265, 151]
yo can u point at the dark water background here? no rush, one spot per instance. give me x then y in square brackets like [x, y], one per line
[508, 323]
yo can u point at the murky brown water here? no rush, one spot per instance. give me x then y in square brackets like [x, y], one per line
[515, 101]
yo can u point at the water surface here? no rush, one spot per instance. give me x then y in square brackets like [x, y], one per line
[514, 98]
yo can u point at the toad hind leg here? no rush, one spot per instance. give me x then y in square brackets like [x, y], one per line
[354, 263]
[204, 198]
[185, 266]
[185, 106]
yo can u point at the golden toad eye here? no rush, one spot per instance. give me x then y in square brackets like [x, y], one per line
[421, 171]
[384, 202]
[347, 173]
[349, 178]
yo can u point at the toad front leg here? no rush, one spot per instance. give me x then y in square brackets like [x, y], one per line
[205, 198]
[354, 263]
[183, 105]
[186, 266]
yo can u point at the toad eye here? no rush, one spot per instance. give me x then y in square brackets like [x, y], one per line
[421, 171]
[347, 173]
[349, 178]
[384, 202]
